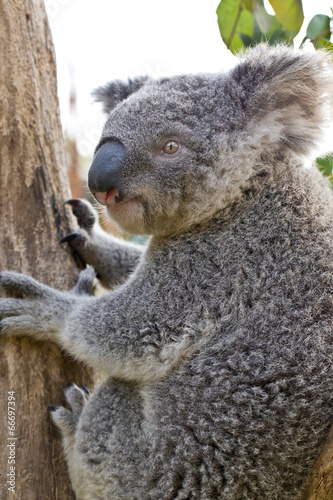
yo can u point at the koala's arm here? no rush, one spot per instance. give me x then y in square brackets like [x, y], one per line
[112, 258]
[111, 333]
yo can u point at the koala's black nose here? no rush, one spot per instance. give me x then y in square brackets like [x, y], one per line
[106, 170]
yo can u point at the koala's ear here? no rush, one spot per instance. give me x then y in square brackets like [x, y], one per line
[283, 91]
[114, 92]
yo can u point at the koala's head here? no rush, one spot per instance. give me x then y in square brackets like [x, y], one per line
[176, 151]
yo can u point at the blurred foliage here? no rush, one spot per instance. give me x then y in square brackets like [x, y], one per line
[319, 32]
[325, 165]
[244, 23]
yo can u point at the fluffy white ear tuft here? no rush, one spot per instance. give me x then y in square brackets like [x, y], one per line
[114, 92]
[289, 91]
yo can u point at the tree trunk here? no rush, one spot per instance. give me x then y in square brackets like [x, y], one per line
[320, 484]
[34, 188]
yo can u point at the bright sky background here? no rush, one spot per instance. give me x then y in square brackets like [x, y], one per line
[100, 40]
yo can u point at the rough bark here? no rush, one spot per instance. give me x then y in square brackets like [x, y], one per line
[33, 187]
[320, 485]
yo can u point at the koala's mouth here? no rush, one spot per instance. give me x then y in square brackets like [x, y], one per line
[117, 204]
[111, 197]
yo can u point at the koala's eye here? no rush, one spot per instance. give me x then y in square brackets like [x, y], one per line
[170, 147]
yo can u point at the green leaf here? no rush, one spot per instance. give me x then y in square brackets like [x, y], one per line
[321, 43]
[243, 23]
[289, 13]
[246, 40]
[234, 20]
[319, 26]
[276, 34]
[248, 5]
[264, 20]
[325, 165]
[319, 31]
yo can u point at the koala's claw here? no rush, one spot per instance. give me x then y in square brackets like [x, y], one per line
[84, 212]
[76, 241]
[75, 202]
[66, 420]
[76, 398]
[79, 240]
[70, 237]
[52, 408]
[71, 384]
[85, 389]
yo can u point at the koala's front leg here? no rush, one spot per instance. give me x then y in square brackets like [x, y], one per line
[37, 310]
[112, 258]
[113, 333]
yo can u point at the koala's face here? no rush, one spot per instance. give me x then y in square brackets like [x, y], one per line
[153, 167]
[176, 151]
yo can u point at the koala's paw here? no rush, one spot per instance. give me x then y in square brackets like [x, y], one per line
[77, 397]
[80, 241]
[27, 303]
[85, 214]
[85, 283]
[34, 309]
[66, 420]
[22, 286]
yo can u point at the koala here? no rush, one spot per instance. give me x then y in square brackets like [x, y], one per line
[215, 337]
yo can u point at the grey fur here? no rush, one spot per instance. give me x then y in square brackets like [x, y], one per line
[114, 92]
[113, 259]
[218, 347]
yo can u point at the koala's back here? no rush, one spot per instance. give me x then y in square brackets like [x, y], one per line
[244, 412]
